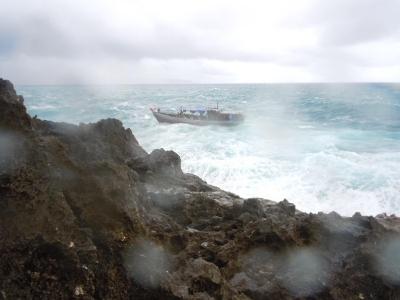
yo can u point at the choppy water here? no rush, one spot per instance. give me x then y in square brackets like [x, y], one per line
[322, 146]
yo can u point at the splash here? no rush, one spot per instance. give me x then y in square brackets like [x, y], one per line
[323, 147]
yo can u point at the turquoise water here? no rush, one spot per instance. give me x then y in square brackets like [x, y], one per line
[322, 146]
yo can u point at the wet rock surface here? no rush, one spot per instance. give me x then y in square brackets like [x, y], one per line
[86, 213]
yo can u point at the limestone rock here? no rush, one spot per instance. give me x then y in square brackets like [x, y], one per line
[75, 199]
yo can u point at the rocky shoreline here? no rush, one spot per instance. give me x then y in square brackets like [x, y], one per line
[86, 213]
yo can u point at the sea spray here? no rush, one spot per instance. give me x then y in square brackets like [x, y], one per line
[322, 146]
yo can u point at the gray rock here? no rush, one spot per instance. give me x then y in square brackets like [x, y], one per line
[74, 199]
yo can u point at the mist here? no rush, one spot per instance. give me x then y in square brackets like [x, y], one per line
[387, 260]
[147, 263]
[308, 110]
[301, 271]
[11, 150]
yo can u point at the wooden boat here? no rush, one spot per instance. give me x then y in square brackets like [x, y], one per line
[198, 117]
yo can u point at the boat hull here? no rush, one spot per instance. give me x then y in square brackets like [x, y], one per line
[165, 118]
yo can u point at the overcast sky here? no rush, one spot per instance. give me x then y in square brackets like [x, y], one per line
[173, 41]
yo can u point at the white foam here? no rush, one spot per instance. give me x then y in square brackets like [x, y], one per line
[307, 170]
[297, 142]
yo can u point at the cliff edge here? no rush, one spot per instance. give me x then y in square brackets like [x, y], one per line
[86, 213]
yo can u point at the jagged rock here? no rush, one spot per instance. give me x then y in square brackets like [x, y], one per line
[204, 269]
[254, 207]
[13, 114]
[74, 200]
[165, 161]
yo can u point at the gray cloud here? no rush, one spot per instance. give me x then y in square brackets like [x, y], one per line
[68, 42]
[43, 36]
[344, 23]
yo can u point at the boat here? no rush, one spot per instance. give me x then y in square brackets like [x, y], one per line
[199, 117]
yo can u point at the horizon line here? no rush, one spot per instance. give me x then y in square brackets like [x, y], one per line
[199, 83]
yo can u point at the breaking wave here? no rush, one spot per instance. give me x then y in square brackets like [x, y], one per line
[323, 147]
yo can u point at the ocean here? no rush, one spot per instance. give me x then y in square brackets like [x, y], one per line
[324, 147]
